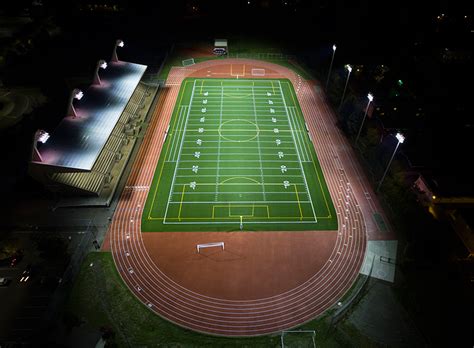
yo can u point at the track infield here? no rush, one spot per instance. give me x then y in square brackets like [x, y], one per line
[237, 156]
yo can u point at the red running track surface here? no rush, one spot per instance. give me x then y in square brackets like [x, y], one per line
[263, 282]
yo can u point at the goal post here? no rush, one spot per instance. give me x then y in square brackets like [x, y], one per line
[188, 62]
[258, 72]
[209, 245]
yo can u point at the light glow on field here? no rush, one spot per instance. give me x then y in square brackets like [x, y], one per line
[238, 153]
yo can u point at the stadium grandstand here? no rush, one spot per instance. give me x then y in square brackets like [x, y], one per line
[85, 156]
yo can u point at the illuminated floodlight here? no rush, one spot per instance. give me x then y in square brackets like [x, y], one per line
[330, 66]
[400, 138]
[103, 64]
[78, 94]
[349, 69]
[75, 94]
[118, 43]
[371, 97]
[43, 136]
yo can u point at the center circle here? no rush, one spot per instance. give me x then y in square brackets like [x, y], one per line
[238, 130]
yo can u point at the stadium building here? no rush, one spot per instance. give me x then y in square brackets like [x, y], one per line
[85, 156]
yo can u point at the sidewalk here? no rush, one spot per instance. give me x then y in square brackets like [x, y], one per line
[380, 316]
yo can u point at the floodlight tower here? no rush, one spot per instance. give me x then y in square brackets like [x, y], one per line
[400, 140]
[75, 94]
[370, 97]
[330, 66]
[101, 64]
[118, 43]
[40, 136]
[349, 69]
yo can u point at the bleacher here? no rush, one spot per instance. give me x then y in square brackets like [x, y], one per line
[87, 153]
[92, 182]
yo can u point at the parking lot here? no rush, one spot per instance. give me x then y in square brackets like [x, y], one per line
[24, 303]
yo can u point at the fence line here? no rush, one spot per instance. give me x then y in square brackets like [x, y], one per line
[270, 56]
[354, 297]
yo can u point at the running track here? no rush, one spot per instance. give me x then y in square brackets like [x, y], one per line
[226, 315]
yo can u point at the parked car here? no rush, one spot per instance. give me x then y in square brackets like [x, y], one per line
[219, 51]
[26, 274]
[4, 281]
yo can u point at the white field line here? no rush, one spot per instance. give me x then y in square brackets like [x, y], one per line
[176, 133]
[233, 222]
[245, 202]
[301, 165]
[305, 157]
[244, 113]
[259, 150]
[301, 126]
[219, 142]
[179, 155]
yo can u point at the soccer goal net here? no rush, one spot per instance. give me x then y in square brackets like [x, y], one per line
[188, 62]
[258, 72]
[210, 245]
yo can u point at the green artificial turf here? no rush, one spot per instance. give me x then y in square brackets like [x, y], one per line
[238, 156]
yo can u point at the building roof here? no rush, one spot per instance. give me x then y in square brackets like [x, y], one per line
[77, 142]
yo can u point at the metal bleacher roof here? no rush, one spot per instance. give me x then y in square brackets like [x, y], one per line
[77, 142]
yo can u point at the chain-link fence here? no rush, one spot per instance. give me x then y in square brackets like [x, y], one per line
[263, 56]
[354, 297]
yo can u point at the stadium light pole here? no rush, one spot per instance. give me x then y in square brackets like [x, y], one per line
[101, 64]
[330, 66]
[370, 97]
[400, 140]
[118, 43]
[75, 94]
[349, 69]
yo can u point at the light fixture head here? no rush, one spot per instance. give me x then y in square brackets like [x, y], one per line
[334, 47]
[371, 97]
[43, 136]
[78, 94]
[120, 43]
[102, 64]
[349, 68]
[400, 138]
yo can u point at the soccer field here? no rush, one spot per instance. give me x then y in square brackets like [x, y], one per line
[238, 156]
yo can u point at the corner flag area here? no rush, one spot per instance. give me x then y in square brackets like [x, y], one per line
[238, 156]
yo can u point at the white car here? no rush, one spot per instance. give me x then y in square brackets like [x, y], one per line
[4, 281]
[219, 51]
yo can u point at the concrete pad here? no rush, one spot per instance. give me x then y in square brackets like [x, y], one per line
[384, 256]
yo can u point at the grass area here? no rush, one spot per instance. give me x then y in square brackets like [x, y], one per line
[238, 155]
[100, 298]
